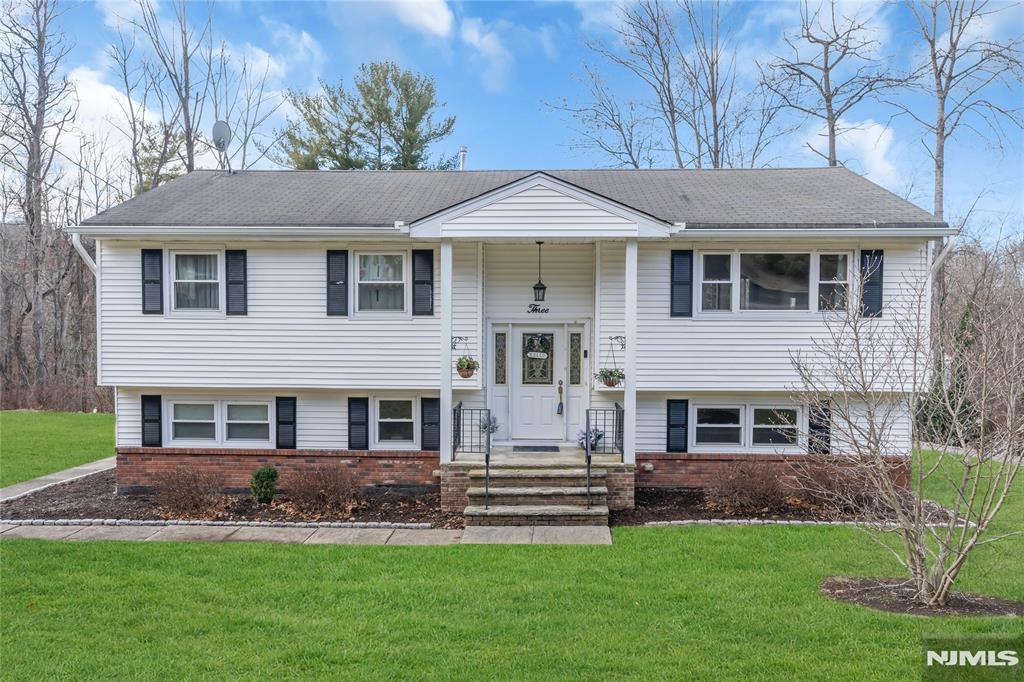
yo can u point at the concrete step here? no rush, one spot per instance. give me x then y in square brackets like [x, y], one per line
[536, 515]
[523, 478]
[559, 495]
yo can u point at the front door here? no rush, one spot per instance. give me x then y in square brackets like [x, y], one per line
[538, 382]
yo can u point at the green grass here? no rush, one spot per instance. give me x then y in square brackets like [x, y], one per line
[679, 603]
[37, 443]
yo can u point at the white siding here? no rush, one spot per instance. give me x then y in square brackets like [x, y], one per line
[511, 271]
[286, 340]
[538, 208]
[743, 351]
[467, 306]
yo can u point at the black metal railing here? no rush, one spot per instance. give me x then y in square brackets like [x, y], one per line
[603, 435]
[471, 434]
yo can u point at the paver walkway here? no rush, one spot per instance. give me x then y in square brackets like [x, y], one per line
[25, 487]
[547, 535]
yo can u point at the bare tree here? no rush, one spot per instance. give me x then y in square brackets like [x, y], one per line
[831, 70]
[870, 376]
[621, 132]
[962, 68]
[240, 96]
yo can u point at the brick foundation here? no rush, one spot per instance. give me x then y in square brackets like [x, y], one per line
[454, 484]
[138, 469]
[691, 470]
[621, 484]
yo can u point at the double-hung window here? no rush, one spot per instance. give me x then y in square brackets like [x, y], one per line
[774, 426]
[194, 421]
[716, 282]
[247, 421]
[745, 427]
[396, 422]
[380, 282]
[196, 284]
[833, 281]
[718, 426]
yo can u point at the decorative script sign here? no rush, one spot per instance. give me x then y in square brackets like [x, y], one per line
[537, 355]
[534, 308]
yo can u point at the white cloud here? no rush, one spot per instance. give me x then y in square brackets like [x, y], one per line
[297, 49]
[117, 13]
[497, 61]
[867, 147]
[597, 16]
[432, 17]
[100, 106]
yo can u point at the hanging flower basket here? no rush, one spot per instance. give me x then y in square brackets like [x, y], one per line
[610, 377]
[467, 366]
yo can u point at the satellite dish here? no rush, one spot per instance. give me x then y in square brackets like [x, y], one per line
[221, 135]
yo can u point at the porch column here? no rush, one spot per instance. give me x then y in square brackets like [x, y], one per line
[446, 350]
[629, 386]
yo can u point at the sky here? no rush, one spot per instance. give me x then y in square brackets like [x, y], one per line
[497, 64]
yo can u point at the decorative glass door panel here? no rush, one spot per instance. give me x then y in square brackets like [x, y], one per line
[538, 359]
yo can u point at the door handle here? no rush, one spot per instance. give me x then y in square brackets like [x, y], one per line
[561, 404]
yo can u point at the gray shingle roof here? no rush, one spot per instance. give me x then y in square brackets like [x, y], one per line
[788, 197]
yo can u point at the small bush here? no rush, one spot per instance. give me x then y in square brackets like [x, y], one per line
[264, 484]
[188, 492]
[840, 491]
[746, 488]
[322, 490]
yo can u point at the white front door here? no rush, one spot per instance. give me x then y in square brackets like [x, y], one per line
[538, 380]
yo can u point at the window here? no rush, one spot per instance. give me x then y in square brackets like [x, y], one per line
[774, 281]
[194, 421]
[575, 359]
[500, 359]
[716, 282]
[395, 422]
[380, 282]
[718, 426]
[247, 421]
[833, 281]
[196, 281]
[774, 426]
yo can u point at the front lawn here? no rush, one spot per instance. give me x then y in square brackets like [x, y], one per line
[37, 443]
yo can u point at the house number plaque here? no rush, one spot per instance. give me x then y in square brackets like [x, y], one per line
[534, 308]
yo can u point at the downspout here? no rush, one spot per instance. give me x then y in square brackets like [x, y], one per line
[946, 250]
[76, 240]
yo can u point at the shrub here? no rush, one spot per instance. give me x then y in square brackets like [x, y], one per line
[264, 484]
[188, 492]
[322, 489]
[746, 488]
[841, 491]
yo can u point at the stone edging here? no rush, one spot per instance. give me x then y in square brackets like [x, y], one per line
[768, 522]
[240, 524]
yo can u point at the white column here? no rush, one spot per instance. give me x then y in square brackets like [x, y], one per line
[446, 350]
[629, 389]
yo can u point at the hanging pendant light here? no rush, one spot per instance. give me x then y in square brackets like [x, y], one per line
[539, 289]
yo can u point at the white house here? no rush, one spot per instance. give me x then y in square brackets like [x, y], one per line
[317, 317]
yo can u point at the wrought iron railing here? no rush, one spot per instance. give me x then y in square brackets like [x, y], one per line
[603, 435]
[471, 434]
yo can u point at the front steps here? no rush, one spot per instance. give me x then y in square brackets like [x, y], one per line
[537, 496]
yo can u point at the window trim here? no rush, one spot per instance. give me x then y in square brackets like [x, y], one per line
[406, 311]
[816, 272]
[376, 442]
[734, 272]
[269, 422]
[746, 445]
[739, 407]
[171, 306]
[773, 446]
[220, 411]
[198, 441]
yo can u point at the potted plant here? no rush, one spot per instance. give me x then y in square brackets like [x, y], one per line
[467, 366]
[489, 425]
[595, 436]
[610, 377]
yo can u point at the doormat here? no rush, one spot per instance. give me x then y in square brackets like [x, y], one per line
[536, 448]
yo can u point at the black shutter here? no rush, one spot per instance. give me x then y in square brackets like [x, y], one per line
[238, 282]
[423, 282]
[152, 427]
[871, 282]
[358, 423]
[337, 283]
[678, 412]
[682, 284]
[819, 431]
[286, 408]
[430, 423]
[152, 282]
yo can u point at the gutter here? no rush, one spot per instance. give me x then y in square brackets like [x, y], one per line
[946, 250]
[767, 232]
[76, 241]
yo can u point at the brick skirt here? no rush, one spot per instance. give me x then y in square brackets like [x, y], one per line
[139, 469]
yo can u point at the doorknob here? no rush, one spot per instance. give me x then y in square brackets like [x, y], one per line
[561, 405]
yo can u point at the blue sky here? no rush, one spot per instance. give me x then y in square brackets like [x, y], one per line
[496, 63]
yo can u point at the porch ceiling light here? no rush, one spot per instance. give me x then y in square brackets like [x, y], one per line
[539, 289]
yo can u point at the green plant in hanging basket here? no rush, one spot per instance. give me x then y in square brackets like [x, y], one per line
[467, 366]
[610, 376]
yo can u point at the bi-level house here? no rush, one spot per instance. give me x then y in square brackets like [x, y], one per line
[302, 318]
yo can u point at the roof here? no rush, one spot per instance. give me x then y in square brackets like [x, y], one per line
[734, 198]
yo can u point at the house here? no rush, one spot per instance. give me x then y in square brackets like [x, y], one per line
[307, 317]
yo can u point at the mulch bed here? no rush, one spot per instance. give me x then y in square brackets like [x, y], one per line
[93, 497]
[897, 596]
[682, 504]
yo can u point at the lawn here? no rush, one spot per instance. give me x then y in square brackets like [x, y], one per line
[37, 443]
[693, 603]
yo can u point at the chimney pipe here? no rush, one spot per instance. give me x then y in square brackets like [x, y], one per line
[462, 157]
